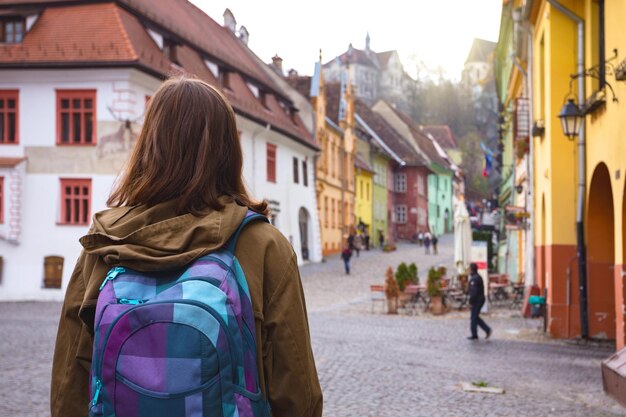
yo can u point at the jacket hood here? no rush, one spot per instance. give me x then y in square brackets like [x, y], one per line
[156, 238]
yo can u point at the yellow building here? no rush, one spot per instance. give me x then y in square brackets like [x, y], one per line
[335, 178]
[557, 26]
[363, 191]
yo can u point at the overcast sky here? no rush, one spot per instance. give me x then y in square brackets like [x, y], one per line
[437, 33]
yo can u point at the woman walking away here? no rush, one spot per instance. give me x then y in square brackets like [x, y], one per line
[427, 243]
[346, 254]
[170, 274]
[434, 242]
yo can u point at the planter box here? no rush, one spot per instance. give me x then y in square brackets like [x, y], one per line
[614, 376]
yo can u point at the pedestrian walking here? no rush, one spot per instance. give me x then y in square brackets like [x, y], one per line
[358, 244]
[427, 242]
[477, 300]
[181, 197]
[420, 239]
[351, 238]
[367, 240]
[346, 254]
[381, 239]
[434, 243]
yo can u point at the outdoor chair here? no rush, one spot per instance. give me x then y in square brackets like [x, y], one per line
[517, 290]
[377, 295]
[498, 284]
[416, 293]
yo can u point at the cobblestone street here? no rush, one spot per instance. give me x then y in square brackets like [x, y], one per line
[373, 364]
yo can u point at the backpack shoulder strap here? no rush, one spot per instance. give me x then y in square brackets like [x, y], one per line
[250, 217]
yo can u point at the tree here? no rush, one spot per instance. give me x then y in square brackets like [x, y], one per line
[477, 186]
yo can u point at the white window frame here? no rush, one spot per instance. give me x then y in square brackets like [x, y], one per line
[400, 183]
[400, 214]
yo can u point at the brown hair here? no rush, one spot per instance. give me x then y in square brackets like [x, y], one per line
[188, 150]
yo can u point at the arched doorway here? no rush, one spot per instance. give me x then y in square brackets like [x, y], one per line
[619, 277]
[304, 222]
[601, 256]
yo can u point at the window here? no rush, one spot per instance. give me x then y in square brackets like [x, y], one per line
[400, 214]
[305, 174]
[53, 271]
[271, 162]
[326, 211]
[332, 203]
[367, 191]
[76, 117]
[224, 78]
[400, 183]
[75, 201]
[11, 30]
[1, 200]
[9, 110]
[170, 50]
[263, 99]
[295, 171]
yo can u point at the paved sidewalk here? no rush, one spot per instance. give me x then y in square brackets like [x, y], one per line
[373, 364]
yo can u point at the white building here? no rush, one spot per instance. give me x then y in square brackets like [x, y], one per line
[74, 83]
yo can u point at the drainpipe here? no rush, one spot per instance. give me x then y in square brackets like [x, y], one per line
[580, 231]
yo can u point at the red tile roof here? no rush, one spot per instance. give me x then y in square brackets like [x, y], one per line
[422, 141]
[73, 34]
[10, 162]
[442, 134]
[114, 34]
[404, 150]
[357, 56]
[301, 83]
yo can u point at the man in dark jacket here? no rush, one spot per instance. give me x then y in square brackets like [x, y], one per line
[477, 300]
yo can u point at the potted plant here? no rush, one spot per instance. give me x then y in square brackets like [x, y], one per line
[433, 288]
[405, 275]
[391, 292]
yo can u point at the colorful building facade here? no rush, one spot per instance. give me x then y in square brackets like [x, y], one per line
[335, 179]
[573, 188]
[363, 194]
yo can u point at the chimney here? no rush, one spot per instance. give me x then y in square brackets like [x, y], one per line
[293, 73]
[229, 21]
[277, 62]
[243, 34]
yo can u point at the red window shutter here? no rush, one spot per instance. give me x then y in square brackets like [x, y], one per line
[75, 201]
[9, 117]
[271, 162]
[76, 117]
[1, 200]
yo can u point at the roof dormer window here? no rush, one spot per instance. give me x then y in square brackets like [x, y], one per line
[224, 77]
[263, 99]
[254, 89]
[169, 49]
[11, 29]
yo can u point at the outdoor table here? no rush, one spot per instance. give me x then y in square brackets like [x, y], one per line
[497, 292]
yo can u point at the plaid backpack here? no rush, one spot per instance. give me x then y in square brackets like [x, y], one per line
[177, 344]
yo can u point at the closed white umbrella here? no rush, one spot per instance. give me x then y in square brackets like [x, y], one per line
[462, 238]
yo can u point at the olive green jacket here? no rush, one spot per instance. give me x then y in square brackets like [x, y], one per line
[149, 239]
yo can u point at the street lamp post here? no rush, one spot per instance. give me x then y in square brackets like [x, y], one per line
[572, 118]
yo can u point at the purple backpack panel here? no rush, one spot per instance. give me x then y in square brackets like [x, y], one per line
[177, 344]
